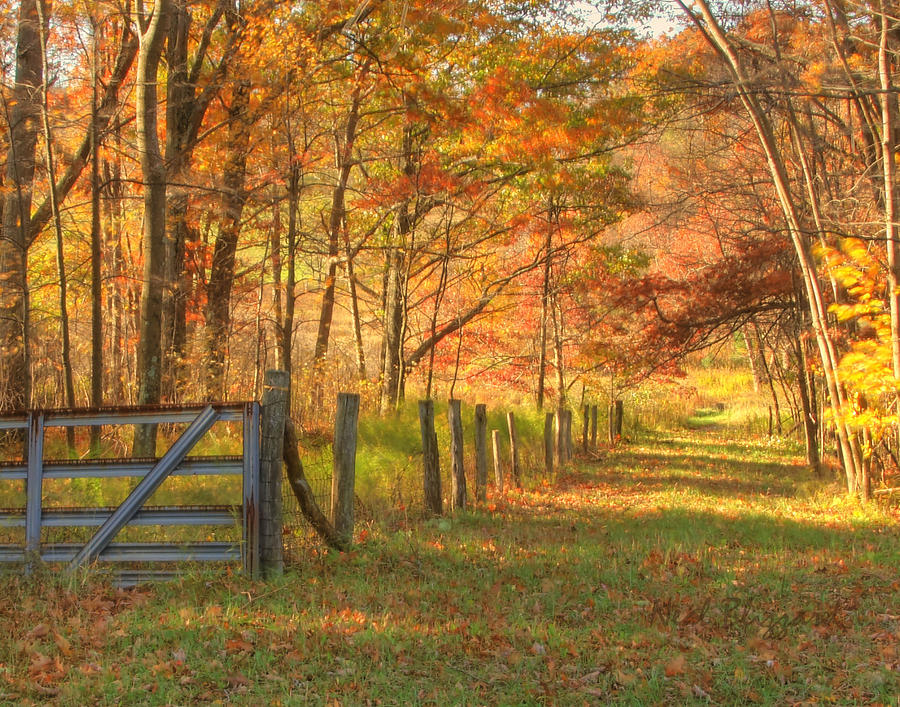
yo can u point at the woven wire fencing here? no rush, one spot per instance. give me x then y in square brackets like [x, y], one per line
[299, 538]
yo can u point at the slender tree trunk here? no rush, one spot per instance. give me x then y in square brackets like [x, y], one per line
[187, 101]
[344, 164]
[96, 245]
[285, 296]
[178, 159]
[221, 278]
[889, 166]
[152, 29]
[66, 344]
[393, 330]
[354, 310]
[807, 401]
[558, 351]
[545, 318]
[396, 280]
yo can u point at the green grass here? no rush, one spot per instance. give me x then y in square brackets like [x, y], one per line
[700, 562]
[693, 567]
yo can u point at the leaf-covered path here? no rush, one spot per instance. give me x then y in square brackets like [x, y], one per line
[672, 570]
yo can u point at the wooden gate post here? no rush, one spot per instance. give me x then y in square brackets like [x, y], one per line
[430, 459]
[481, 453]
[548, 443]
[273, 411]
[498, 462]
[457, 469]
[514, 449]
[343, 480]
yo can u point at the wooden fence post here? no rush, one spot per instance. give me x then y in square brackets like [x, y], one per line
[615, 421]
[343, 480]
[457, 470]
[514, 449]
[430, 459]
[498, 463]
[273, 411]
[548, 443]
[561, 437]
[594, 426]
[585, 425]
[481, 453]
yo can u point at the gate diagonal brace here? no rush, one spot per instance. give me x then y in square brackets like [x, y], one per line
[138, 497]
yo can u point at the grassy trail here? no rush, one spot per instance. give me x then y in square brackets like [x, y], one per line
[678, 569]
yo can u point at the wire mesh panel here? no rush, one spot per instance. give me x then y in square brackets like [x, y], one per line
[298, 535]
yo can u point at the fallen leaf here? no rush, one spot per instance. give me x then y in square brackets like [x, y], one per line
[62, 643]
[237, 680]
[676, 666]
[236, 645]
[38, 631]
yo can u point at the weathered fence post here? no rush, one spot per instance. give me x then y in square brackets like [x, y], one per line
[594, 426]
[430, 459]
[343, 480]
[548, 443]
[273, 412]
[585, 425]
[561, 437]
[514, 449]
[481, 453]
[498, 463]
[457, 470]
[615, 421]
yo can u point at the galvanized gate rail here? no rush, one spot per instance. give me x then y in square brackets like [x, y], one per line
[152, 473]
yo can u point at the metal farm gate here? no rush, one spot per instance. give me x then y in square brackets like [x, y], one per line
[35, 515]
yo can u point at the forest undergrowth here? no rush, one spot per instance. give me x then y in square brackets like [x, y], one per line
[692, 566]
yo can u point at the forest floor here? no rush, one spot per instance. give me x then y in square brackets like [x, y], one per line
[680, 568]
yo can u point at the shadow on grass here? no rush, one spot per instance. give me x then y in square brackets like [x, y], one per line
[705, 474]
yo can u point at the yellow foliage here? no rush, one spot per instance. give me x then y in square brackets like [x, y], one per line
[866, 369]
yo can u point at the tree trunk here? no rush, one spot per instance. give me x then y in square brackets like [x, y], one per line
[117, 303]
[65, 340]
[344, 164]
[808, 401]
[395, 284]
[394, 305]
[178, 158]
[152, 29]
[96, 245]
[24, 117]
[187, 101]
[545, 316]
[889, 168]
[354, 311]
[558, 352]
[221, 277]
